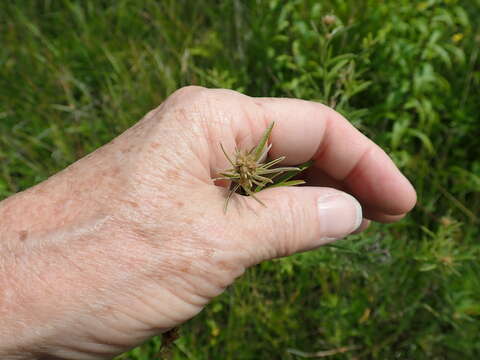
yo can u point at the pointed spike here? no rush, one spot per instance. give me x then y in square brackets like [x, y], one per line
[289, 183]
[264, 155]
[258, 200]
[263, 179]
[228, 158]
[224, 178]
[287, 168]
[274, 162]
[263, 141]
[273, 176]
[250, 193]
[231, 176]
[277, 170]
[230, 193]
[258, 183]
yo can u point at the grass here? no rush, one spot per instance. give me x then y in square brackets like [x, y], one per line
[75, 74]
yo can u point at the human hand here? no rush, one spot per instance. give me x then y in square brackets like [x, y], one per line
[132, 240]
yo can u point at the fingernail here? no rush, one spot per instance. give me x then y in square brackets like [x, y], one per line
[339, 214]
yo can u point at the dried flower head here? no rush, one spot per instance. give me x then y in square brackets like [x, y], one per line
[251, 173]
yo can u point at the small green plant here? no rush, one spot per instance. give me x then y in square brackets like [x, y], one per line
[250, 173]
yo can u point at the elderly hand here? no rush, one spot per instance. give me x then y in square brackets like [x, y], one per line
[132, 240]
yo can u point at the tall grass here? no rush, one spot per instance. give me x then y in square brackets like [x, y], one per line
[75, 74]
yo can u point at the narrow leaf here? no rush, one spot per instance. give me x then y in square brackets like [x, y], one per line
[278, 170]
[262, 178]
[288, 183]
[263, 141]
[231, 176]
[226, 178]
[291, 174]
[264, 155]
[273, 162]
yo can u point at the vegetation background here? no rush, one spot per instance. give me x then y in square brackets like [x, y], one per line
[74, 74]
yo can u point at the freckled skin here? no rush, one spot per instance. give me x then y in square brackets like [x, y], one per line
[22, 235]
[173, 175]
[107, 222]
[132, 240]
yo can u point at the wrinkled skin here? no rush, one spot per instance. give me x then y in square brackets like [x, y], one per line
[132, 239]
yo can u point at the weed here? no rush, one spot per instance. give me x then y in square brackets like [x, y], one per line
[251, 173]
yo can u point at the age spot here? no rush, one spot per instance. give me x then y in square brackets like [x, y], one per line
[22, 235]
[126, 150]
[172, 174]
[116, 170]
[133, 204]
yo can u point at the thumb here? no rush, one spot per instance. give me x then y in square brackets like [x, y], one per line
[297, 219]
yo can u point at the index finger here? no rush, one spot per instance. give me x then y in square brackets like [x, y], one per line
[307, 130]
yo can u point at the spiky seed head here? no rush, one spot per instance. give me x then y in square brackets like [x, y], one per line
[249, 171]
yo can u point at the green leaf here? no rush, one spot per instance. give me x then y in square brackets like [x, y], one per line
[290, 174]
[427, 267]
[263, 141]
[426, 142]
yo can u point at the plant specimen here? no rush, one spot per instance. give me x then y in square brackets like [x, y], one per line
[251, 173]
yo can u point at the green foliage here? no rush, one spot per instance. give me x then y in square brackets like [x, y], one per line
[407, 73]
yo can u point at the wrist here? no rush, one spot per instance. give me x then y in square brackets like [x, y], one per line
[48, 233]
